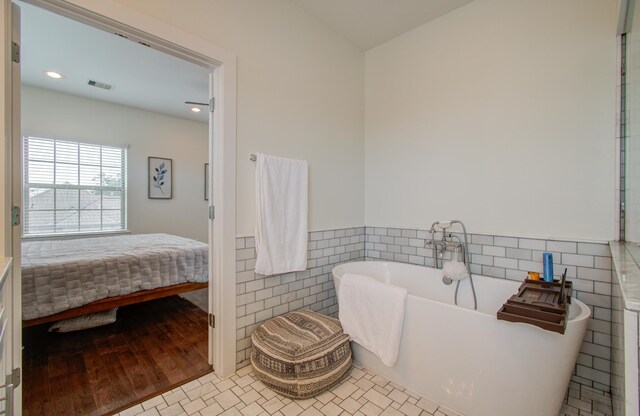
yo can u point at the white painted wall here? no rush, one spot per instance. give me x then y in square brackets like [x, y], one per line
[477, 115]
[58, 115]
[300, 89]
[500, 114]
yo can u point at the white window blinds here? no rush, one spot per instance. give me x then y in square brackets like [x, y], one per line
[72, 187]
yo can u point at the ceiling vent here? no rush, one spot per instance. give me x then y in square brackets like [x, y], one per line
[99, 84]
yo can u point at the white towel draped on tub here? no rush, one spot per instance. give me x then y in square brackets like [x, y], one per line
[372, 314]
[281, 214]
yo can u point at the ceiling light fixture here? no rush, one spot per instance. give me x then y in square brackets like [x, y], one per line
[195, 109]
[54, 74]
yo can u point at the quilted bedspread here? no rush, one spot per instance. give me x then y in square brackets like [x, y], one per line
[61, 274]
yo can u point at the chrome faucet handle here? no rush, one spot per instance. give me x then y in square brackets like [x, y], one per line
[430, 242]
[452, 244]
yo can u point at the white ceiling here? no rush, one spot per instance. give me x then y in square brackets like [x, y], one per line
[369, 23]
[143, 78]
[154, 81]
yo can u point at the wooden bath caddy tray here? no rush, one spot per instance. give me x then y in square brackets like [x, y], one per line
[539, 303]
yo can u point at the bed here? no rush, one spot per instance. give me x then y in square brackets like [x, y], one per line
[62, 279]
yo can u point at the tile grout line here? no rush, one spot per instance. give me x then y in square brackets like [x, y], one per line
[589, 267]
[362, 393]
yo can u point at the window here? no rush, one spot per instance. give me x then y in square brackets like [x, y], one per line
[72, 187]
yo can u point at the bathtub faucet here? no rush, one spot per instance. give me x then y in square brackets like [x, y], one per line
[438, 247]
[448, 242]
[451, 241]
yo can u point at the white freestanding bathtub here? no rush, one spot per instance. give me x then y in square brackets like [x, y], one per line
[468, 360]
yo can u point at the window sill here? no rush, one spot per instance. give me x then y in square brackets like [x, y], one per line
[74, 235]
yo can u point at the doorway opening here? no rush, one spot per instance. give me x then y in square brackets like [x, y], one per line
[84, 196]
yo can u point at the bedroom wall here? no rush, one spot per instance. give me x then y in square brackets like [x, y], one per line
[501, 114]
[300, 89]
[58, 115]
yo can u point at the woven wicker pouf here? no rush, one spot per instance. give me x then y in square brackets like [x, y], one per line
[301, 354]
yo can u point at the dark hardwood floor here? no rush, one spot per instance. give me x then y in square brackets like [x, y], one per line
[152, 347]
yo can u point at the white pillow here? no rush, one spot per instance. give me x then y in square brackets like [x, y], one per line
[85, 322]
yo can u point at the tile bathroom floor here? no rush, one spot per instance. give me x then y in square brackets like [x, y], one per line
[363, 393]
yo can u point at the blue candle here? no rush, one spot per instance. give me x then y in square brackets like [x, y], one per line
[548, 267]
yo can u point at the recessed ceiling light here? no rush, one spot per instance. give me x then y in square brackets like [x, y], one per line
[54, 75]
[195, 109]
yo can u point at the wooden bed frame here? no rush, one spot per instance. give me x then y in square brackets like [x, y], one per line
[117, 301]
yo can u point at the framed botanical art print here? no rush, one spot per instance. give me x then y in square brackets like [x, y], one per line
[160, 178]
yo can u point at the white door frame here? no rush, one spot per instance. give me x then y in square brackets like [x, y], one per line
[10, 127]
[113, 17]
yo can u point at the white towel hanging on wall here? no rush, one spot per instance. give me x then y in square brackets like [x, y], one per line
[281, 214]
